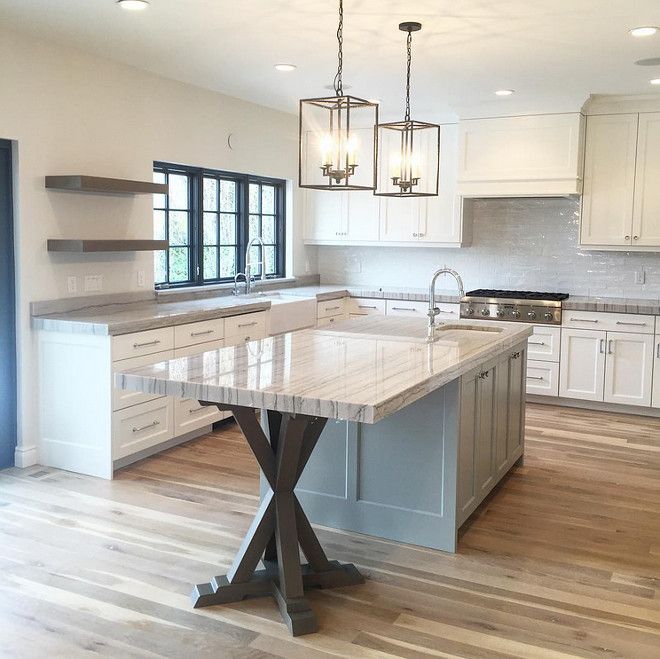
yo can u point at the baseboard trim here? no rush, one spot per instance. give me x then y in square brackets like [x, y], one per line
[26, 456]
[594, 405]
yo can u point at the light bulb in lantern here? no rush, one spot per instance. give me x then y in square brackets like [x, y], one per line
[351, 149]
[396, 166]
[326, 149]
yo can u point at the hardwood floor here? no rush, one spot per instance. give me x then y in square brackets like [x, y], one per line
[562, 561]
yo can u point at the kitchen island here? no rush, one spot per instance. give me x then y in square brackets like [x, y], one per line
[420, 431]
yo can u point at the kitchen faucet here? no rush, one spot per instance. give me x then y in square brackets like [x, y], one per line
[433, 310]
[249, 279]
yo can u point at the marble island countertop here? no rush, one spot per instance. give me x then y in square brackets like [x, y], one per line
[362, 370]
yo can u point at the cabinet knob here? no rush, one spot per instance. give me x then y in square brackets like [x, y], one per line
[627, 237]
[414, 235]
[421, 235]
[635, 237]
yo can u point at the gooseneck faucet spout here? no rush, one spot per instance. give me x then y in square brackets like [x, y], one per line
[433, 310]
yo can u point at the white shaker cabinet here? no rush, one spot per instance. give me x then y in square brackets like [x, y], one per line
[609, 180]
[646, 208]
[326, 215]
[655, 398]
[582, 366]
[628, 368]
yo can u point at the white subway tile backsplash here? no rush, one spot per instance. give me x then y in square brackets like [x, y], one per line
[517, 243]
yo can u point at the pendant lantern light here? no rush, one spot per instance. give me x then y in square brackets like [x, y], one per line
[408, 151]
[337, 140]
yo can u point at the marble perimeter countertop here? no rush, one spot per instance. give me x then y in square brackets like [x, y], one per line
[363, 369]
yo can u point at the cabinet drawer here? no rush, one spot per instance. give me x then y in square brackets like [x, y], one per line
[142, 426]
[238, 328]
[332, 320]
[331, 308]
[544, 344]
[189, 415]
[448, 310]
[360, 306]
[404, 308]
[199, 348]
[610, 322]
[142, 343]
[542, 378]
[122, 398]
[193, 333]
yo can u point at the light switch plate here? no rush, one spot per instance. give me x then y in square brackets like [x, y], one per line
[140, 278]
[93, 283]
[72, 284]
[640, 277]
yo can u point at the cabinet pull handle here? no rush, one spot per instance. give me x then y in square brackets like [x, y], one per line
[583, 320]
[609, 347]
[515, 355]
[535, 377]
[332, 308]
[247, 339]
[536, 343]
[202, 333]
[403, 309]
[365, 306]
[601, 349]
[657, 350]
[619, 322]
[151, 425]
[447, 311]
[148, 343]
[196, 409]
[254, 322]
[483, 374]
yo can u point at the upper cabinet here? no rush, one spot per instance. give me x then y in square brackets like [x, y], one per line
[540, 156]
[360, 218]
[621, 201]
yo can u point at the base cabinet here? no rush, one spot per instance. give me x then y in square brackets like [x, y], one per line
[629, 368]
[655, 397]
[491, 427]
[582, 366]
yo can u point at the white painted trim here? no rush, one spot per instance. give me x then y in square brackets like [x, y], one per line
[594, 405]
[26, 456]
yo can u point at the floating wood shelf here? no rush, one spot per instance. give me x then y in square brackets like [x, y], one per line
[126, 245]
[99, 184]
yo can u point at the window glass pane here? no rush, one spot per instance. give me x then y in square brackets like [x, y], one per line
[227, 262]
[210, 229]
[254, 197]
[178, 228]
[267, 199]
[160, 267]
[254, 226]
[179, 264]
[268, 229]
[255, 257]
[159, 177]
[210, 194]
[159, 225]
[178, 191]
[228, 196]
[270, 260]
[210, 263]
[227, 229]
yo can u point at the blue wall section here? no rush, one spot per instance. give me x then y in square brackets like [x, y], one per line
[7, 313]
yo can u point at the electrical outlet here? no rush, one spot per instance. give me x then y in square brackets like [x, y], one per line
[140, 278]
[72, 284]
[93, 283]
[640, 277]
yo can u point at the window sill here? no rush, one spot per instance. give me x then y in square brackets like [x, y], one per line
[167, 292]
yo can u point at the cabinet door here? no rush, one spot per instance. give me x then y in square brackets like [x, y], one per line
[510, 409]
[399, 220]
[609, 180]
[628, 368]
[582, 365]
[325, 214]
[467, 442]
[363, 218]
[646, 213]
[656, 374]
[487, 435]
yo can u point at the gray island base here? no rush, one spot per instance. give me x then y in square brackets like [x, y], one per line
[368, 427]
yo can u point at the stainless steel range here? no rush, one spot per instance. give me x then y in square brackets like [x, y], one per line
[520, 306]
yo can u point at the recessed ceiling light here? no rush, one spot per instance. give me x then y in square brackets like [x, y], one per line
[655, 81]
[504, 92]
[133, 5]
[643, 31]
[285, 67]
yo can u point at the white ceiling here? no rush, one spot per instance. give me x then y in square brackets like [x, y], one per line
[554, 53]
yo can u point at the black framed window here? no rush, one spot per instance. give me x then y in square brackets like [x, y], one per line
[209, 217]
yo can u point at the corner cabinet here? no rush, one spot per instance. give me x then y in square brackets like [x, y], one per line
[526, 156]
[621, 201]
[361, 218]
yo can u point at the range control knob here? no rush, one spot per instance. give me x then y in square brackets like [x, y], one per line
[531, 315]
[485, 312]
[548, 316]
[500, 313]
[515, 313]
[469, 311]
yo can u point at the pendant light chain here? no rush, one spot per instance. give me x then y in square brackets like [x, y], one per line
[338, 84]
[409, 52]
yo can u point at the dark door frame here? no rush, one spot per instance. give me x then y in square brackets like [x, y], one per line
[8, 422]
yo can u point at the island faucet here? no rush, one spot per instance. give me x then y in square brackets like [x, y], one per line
[249, 279]
[433, 310]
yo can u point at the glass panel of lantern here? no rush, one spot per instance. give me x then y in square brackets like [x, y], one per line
[337, 143]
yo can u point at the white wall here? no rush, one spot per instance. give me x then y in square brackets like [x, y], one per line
[72, 113]
[523, 244]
